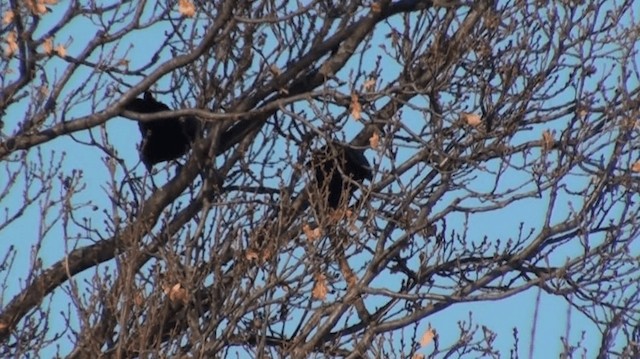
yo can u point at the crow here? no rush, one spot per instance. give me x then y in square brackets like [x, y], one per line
[336, 168]
[164, 139]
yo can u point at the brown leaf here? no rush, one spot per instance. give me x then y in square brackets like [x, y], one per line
[369, 85]
[471, 118]
[266, 253]
[177, 294]
[312, 234]
[427, 337]
[547, 140]
[47, 45]
[375, 7]
[338, 214]
[36, 6]
[251, 255]
[348, 274]
[12, 44]
[320, 287]
[123, 63]
[61, 51]
[418, 356]
[7, 17]
[374, 140]
[636, 166]
[138, 299]
[629, 124]
[43, 91]
[186, 8]
[275, 70]
[356, 109]
[582, 113]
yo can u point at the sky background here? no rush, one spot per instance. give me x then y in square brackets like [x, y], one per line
[554, 314]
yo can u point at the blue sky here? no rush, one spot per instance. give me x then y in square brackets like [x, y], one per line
[501, 316]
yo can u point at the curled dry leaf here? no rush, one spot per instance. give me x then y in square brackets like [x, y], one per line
[12, 44]
[471, 119]
[251, 255]
[275, 70]
[547, 140]
[347, 272]
[636, 167]
[338, 214]
[582, 113]
[266, 253]
[186, 8]
[375, 7]
[177, 294]
[629, 124]
[36, 6]
[61, 51]
[47, 45]
[374, 140]
[43, 91]
[138, 299]
[320, 287]
[312, 234]
[369, 85]
[427, 337]
[356, 109]
[123, 63]
[7, 17]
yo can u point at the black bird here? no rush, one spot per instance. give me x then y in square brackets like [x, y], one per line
[164, 139]
[334, 162]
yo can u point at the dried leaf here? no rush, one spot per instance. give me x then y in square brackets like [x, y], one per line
[629, 124]
[43, 91]
[267, 253]
[123, 63]
[356, 108]
[582, 113]
[138, 299]
[547, 140]
[374, 140]
[7, 17]
[427, 337]
[186, 8]
[348, 274]
[36, 7]
[312, 234]
[177, 294]
[320, 287]
[251, 255]
[61, 51]
[418, 356]
[636, 166]
[12, 44]
[369, 85]
[275, 70]
[50, 2]
[48, 46]
[471, 118]
[375, 7]
[3, 326]
[339, 213]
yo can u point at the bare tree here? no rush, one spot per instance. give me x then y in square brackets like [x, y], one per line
[502, 138]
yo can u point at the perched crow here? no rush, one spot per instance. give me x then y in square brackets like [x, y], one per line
[165, 139]
[333, 162]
